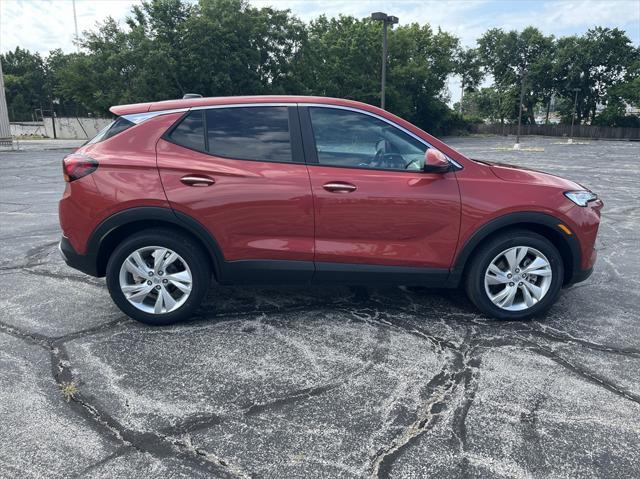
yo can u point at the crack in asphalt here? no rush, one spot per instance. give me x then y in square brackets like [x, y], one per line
[470, 386]
[186, 443]
[589, 376]
[565, 338]
[305, 393]
[376, 317]
[530, 422]
[301, 394]
[440, 389]
[70, 277]
[157, 445]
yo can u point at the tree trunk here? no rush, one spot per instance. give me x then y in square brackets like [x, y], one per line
[531, 113]
[546, 119]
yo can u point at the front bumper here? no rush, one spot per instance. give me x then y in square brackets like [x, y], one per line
[85, 263]
[580, 275]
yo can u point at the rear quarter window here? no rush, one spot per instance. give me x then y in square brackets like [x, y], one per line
[190, 131]
[119, 125]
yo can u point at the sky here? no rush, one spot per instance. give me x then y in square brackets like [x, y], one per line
[43, 25]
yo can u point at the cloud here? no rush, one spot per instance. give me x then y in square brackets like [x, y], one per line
[581, 14]
[43, 25]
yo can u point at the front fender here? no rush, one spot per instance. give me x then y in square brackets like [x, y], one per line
[544, 223]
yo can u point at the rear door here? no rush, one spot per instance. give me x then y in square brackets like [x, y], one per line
[240, 171]
[374, 204]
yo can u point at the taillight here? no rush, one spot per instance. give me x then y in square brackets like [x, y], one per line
[77, 165]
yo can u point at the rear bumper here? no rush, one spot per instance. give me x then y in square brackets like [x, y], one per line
[83, 262]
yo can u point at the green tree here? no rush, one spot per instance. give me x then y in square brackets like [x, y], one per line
[469, 67]
[24, 79]
[519, 60]
[490, 104]
[597, 63]
[420, 61]
[341, 58]
[169, 47]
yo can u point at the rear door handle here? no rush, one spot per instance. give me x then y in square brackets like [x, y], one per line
[195, 180]
[339, 187]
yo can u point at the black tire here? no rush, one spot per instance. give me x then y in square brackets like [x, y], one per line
[482, 257]
[184, 246]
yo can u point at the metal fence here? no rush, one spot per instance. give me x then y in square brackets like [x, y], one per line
[579, 131]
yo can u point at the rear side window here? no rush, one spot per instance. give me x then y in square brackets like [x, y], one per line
[190, 131]
[118, 126]
[249, 133]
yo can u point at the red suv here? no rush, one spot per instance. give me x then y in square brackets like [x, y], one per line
[286, 189]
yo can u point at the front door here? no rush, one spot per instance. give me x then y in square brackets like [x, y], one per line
[374, 205]
[240, 172]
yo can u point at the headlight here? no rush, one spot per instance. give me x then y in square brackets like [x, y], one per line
[582, 197]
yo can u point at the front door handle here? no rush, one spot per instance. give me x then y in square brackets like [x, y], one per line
[339, 187]
[195, 180]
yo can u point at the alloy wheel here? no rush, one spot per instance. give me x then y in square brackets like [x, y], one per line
[155, 280]
[518, 278]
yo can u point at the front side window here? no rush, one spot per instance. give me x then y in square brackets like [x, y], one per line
[250, 133]
[351, 139]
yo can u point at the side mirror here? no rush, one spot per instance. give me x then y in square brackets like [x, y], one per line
[435, 162]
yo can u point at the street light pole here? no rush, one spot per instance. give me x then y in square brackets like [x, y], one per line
[384, 63]
[386, 21]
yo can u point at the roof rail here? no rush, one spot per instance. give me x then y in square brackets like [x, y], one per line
[191, 95]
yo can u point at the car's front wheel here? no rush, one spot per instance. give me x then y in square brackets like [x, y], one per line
[158, 276]
[515, 275]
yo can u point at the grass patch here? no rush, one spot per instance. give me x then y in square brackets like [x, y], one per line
[68, 390]
[30, 137]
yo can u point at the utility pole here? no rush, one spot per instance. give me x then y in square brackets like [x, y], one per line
[53, 120]
[524, 79]
[75, 22]
[386, 21]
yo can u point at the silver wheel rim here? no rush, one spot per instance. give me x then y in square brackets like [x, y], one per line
[155, 280]
[518, 278]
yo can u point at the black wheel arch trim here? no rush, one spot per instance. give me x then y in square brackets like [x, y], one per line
[195, 228]
[514, 219]
[154, 213]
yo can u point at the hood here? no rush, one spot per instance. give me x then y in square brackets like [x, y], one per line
[518, 174]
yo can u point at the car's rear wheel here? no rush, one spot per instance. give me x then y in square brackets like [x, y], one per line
[158, 276]
[515, 275]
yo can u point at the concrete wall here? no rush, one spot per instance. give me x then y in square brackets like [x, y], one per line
[75, 128]
[66, 128]
[27, 128]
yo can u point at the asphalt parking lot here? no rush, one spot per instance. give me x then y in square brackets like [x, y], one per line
[320, 382]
